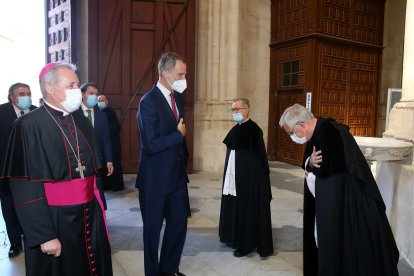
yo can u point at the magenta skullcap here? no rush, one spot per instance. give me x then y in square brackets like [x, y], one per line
[46, 69]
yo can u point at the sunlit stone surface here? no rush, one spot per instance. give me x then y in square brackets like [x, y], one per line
[384, 149]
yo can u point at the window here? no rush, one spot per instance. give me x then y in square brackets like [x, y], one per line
[290, 73]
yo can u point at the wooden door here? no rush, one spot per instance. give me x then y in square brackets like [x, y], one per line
[292, 153]
[126, 39]
[337, 46]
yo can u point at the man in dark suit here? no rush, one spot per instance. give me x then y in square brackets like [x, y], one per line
[101, 129]
[161, 179]
[116, 180]
[20, 102]
[100, 124]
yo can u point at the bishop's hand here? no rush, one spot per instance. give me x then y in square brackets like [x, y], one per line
[52, 247]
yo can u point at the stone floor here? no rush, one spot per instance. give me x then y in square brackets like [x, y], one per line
[203, 253]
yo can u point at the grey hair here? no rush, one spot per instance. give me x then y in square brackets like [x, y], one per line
[167, 62]
[13, 88]
[295, 114]
[51, 77]
[245, 101]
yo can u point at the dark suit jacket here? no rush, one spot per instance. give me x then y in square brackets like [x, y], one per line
[7, 117]
[101, 130]
[161, 167]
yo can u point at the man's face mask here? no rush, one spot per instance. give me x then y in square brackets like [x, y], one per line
[296, 139]
[101, 105]
[238, 117]
[24, 102]
[92, 100]
[178, 85]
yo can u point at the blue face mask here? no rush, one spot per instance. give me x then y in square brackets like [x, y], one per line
[101, 105]
[238, 117]
[24, 102]
[92, 100]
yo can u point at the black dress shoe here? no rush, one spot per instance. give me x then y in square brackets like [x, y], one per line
[172, 274]
[240, 252]
[14, 250]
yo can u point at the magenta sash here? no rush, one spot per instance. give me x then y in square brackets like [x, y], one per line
[76, 191]
[72, 192]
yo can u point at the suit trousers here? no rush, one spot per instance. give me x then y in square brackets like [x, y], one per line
[14, 231]
[173, 207]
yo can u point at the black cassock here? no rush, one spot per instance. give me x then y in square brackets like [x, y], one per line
[354, 236]
[116, 180]
[245, 219]
[37, 152]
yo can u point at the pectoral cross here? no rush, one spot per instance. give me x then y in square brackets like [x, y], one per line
[80, 169]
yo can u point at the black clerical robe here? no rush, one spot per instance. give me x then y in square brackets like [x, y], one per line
[116, 180]
[353, 233]
[38, 154]
[245, 219]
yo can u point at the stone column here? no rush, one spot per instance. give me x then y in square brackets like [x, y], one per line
[401, 118]
[397, 178]
[232, 61]
[408, 64]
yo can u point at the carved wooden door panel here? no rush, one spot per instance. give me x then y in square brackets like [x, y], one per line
[286, 150]
[126, 39]
[337, 45]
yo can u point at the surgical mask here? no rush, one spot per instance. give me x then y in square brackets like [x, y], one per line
[298, 140]
[238, 117]
[101, 105]
[178, 85]
[24, 102]
[73, 100]
[92, 100]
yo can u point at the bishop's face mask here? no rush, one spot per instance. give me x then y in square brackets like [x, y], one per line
[73, 100]
[178, 85]
[24, 102]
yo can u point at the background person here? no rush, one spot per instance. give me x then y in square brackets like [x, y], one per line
[20, 102]
[116, 180]
[245, 218]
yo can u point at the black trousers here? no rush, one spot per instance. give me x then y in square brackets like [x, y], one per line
[14, 231]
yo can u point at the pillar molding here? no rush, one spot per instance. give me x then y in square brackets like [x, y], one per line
[232, 61]
[401, 117]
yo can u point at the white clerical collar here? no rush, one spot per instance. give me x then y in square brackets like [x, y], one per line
[65, 113]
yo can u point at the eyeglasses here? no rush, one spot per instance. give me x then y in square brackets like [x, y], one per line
[290, 133]
[237, 108]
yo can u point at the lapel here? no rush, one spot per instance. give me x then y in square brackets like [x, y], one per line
[12, 112]
[165, 107]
